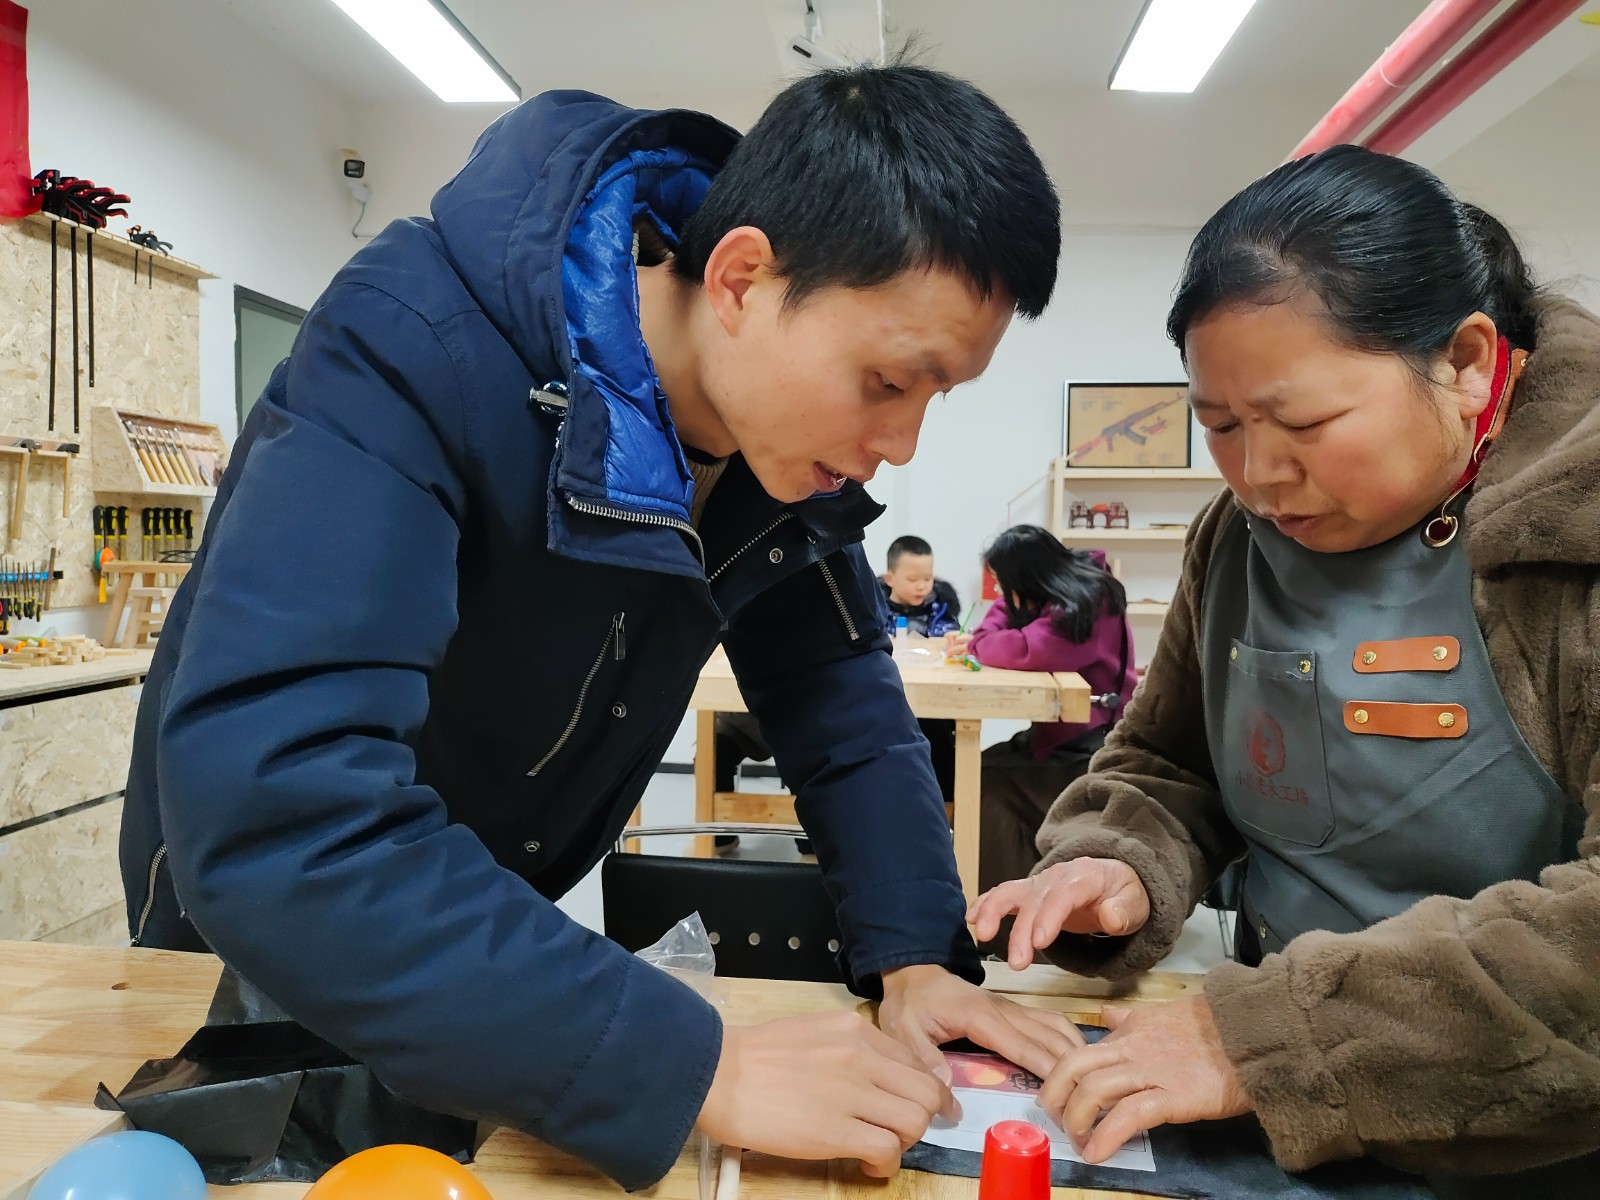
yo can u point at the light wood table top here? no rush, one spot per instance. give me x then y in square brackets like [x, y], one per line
[938, 690]
[75, 1016]
[40, 681]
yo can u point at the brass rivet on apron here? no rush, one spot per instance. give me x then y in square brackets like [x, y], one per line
[1263, 932]
[1305, 666]
[1234, 653]
[1447, 720]
[775, 555]
[1370, 657]
[1360, 716]
[1440, 654]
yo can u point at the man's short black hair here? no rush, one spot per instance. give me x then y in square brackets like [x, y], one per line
[858, 174]
[909, 544]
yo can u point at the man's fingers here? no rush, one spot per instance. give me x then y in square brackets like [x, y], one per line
[875, 1148]
[916, 1084]
[1141, 1111]
[906, 1119]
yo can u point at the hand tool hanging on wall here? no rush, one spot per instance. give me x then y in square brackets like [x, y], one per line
[23, 449]
[55, 244]
[122, 531]
[79, 201]
[89, 264]
[147, 238]
[74, 247]
[68, 451]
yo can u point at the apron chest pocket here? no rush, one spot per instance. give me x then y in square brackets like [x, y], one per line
[1275, 770]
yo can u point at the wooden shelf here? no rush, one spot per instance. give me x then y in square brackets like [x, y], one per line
[1093, 537]
[1143, 474]
[104, 240]
[137, 454]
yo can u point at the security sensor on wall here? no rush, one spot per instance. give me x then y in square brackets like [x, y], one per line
[354, 169]
[808, 56]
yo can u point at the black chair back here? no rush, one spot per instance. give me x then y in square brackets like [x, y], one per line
[767, 920]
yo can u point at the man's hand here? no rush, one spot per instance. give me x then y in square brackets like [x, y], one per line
[924, 1006]
[1160, 1064]
[818, 1087]
[1086, 895]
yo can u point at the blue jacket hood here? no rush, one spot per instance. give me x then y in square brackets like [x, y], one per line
[539, 225]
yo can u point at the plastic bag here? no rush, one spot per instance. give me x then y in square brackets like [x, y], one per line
[686, 952]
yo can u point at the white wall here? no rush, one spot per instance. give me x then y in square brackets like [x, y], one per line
[1538, 171]
[226, 146]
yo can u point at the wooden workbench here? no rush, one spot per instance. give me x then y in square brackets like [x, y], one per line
[75, 1016]
[936, 690]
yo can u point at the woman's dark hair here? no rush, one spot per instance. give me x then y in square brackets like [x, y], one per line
[1031, 564]
[1396, 261]
[858, 174]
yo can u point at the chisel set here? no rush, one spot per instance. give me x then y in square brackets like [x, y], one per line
[25, 589]
[171, 454]
[165, 534]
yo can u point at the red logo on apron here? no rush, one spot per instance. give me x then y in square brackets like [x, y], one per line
[1265, 743]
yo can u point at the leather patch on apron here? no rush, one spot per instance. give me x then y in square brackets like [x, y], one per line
[1407, 654]
[1389, 719]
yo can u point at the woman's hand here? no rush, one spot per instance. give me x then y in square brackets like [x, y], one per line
[1160, 1064]
[1086, 895]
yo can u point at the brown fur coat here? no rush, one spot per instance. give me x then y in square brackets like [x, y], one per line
[1462, 1034]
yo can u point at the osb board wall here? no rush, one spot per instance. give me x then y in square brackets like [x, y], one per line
[147, 359]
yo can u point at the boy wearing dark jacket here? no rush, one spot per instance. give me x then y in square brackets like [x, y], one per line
[930, 606]
[636, 368]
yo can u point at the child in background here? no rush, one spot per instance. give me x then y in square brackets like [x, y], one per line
[1060, 610]
[930, 606]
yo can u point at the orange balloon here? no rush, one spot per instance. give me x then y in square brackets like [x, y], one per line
[399, 1173]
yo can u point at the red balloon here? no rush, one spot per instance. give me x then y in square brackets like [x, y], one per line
[399, 1173]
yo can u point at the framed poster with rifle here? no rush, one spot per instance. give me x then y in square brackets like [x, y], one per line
[1127, 425]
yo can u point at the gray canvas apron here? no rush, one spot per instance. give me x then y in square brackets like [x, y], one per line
[1360, 740]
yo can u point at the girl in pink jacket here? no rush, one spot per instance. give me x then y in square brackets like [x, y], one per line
[1060, 610]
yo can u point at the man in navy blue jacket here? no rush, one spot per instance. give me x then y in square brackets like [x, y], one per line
[527, 463]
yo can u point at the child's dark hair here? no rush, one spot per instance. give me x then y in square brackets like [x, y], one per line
[1395, 260]
[908, 544]
[858, 174]
[1031, 564]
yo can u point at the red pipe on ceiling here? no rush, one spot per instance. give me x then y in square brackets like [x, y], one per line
[1518, 28]
[1424, 42]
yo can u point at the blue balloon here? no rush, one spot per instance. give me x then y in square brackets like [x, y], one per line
[124, 1166]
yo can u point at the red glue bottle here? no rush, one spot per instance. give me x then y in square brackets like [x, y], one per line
[1016, 1163]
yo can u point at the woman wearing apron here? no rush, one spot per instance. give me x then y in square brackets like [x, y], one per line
[1378, 686]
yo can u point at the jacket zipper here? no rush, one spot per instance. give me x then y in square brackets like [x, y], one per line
[614, 638]
[156, 860]
[833, 586]
[747, 546]
[621, 514]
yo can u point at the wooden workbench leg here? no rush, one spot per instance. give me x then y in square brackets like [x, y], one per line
[631, 845]
[119, 601]
[705, 775]
[969, 776]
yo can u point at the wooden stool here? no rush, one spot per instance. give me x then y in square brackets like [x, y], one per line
[139, 582]
[147, 614]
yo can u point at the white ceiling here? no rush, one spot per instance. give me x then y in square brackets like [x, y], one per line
[1119, 158]
[727, 46]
